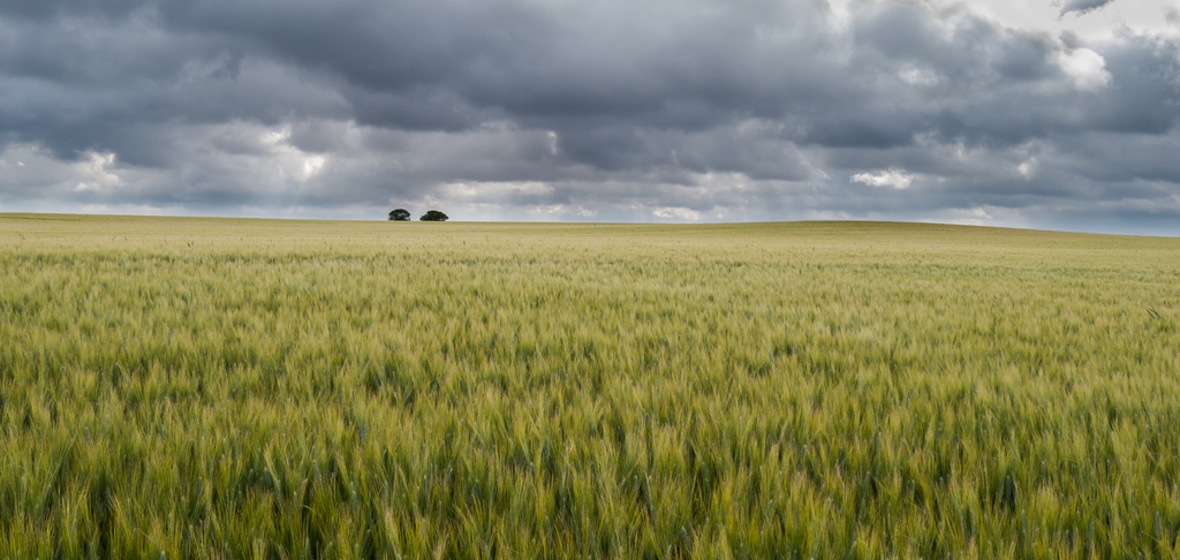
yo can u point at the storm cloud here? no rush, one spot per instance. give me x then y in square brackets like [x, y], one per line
[613, 110]
[1083, 6]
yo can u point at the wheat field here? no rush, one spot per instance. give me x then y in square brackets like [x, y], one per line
[231, 388]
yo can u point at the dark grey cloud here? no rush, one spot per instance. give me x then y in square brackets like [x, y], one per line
[700, 109]
[1083, 6]
[48, 9]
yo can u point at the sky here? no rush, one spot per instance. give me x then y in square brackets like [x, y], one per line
[1049, 114]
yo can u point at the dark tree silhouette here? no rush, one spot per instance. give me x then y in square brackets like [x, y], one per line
[433, 216]
[399, 215]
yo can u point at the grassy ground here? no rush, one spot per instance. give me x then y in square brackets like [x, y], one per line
[199, 388]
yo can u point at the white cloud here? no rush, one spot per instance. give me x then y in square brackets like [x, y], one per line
[677, 213]
[982, 215]
[1028, 168]
[894, 178]
[312, 166]
[1086, 67]
[277, 136]
[829, 215]
[93, 175]
[553, 147]
[1104, 24]
[562, 210]
[494, 191]
[917, 76]
[132, 209]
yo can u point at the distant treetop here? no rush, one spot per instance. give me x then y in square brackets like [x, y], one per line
[433, 216]
[399, 215]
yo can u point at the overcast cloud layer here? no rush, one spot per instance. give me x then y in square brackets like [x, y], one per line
[664, 110]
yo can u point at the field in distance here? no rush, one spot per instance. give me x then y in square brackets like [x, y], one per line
[204, 388]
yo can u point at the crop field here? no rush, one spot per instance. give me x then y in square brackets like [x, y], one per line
[216, 388]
